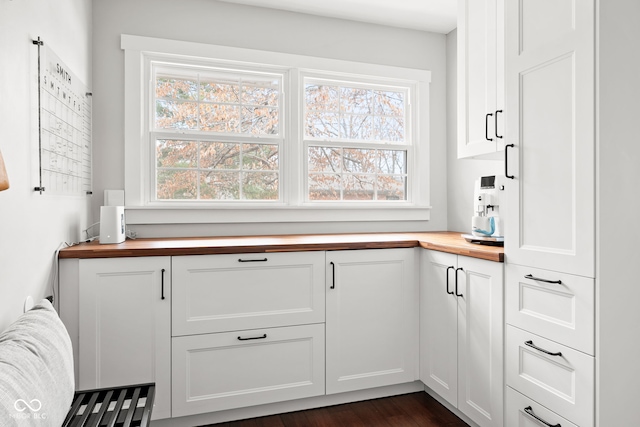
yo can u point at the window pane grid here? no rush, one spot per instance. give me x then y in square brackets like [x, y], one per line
[335, 110]
[240, 106]
[355, 174]
[205, 170]
[230, 140]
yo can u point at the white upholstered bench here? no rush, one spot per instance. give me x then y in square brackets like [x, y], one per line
[37, 383]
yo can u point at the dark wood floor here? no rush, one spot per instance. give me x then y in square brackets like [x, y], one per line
[408, 410]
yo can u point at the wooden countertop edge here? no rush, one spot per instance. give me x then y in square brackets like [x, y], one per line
[450, 242]
[470, 252]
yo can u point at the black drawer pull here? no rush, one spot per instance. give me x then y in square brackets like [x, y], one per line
[162, 282]
[529, 411]
[457, 294]
[537, 279]
[333, 280]
[506, 161]
[447, 273]
[496, 126]
[532, 345]
[486, 127]
[252, 260]
[252, 338]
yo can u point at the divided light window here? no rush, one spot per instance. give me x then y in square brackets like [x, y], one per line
[217, 134]
[358, 141]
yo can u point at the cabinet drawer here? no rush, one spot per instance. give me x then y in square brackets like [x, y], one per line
[562, 312]
[214, 372]
[217, 293]
[563, 383]
[522, 412]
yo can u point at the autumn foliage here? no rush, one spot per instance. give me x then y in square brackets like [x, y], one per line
[228, 131]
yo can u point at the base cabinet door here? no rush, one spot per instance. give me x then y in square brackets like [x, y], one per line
[125, 325]
[372, 319]
[213, 372]
[480, 340]
[461, 333]
[439, 324]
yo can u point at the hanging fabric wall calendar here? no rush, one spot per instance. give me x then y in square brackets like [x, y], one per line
[64, 121]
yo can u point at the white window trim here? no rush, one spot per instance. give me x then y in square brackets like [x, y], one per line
[292, 208]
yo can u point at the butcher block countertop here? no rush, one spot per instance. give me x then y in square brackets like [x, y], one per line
[444, 241]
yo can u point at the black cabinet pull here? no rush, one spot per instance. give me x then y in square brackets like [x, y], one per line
[457, 269]
[452, 268]
[252, 260]
[532, 345]
[496, 124]
[486, 127]
[506, 161]
[252, 338]
[333, 280]
[162, 281]
[529, 411]
[537, 279]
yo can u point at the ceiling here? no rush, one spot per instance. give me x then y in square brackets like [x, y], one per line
[426, 15]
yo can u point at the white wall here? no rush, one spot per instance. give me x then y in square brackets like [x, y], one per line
[33, 225]
[461, 173]
[210, 21]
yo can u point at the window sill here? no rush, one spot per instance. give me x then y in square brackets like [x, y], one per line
[299, 214]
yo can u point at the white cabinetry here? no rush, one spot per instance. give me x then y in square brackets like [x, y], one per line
[124, 323]
[550, 123]
[550, 342]
[217, 293]
[550, 235]
[554, 375]
[372, 319]
[558, 306]
[522, 412]
[480, 78]
[461, 333]
[248, 329]
[220, 371]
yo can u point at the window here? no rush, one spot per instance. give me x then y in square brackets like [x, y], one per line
[216, 134]
[240, 130]
[358, 141]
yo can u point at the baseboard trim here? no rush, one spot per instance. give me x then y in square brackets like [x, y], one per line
[290, 406]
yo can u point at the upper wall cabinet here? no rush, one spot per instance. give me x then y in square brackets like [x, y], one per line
[480, 78]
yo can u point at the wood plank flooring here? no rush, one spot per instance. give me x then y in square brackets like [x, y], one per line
[408, 410]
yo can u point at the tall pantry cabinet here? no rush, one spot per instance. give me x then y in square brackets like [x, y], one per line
[571, 240]
[550, 235]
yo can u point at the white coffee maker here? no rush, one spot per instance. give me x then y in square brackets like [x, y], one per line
[487, 224]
